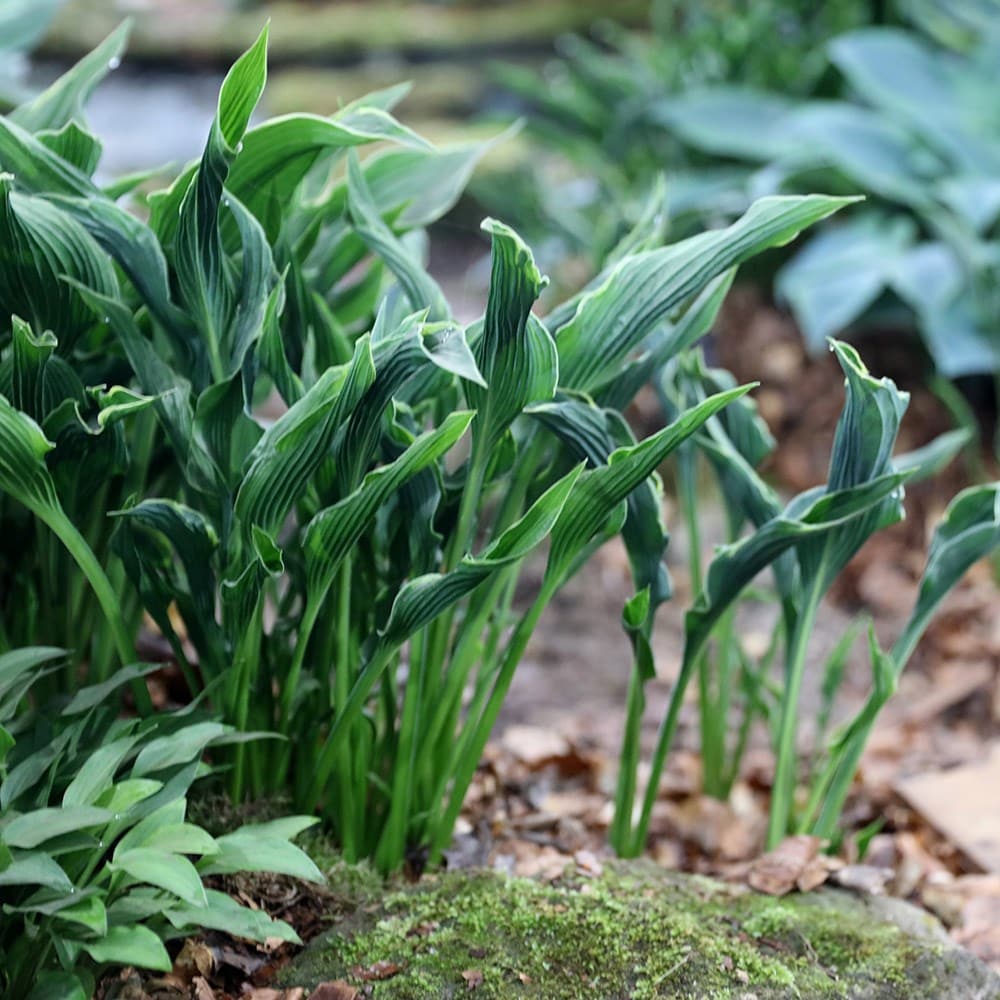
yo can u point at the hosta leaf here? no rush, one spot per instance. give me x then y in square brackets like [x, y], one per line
[968, 532]
[242, 595]
[58, 986]
[193, 541]
[333, 532]
[252, 852]
[97, 694]
[75, 145]
[17, 662]
[621, 386]
[642, 291]
[23, 473]
[600, 491]
[223, 913]
[840, 272]
[421, 600]
[862, 452]
[420, 288]
[815, 513]
[178, 748]
[922, 463]
[593, 434]
[97, 772]
[161, 868]
[137, 946]
[292, 448]
[121, 797]
[36, 379]
[199, 259]
[33, 828]
[35, 868]
[63, 101]
[39, 245]
[515, 353]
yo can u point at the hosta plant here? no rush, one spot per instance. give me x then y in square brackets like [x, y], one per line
[98, 863]
[805, 542]
[343, 570]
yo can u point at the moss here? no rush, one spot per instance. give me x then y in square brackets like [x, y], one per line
[635, 932]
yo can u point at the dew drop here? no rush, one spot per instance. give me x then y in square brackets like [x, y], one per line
[107, 319]
[114, 62]
[239, 147]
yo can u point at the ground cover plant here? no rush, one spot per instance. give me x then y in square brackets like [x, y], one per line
[247, 412]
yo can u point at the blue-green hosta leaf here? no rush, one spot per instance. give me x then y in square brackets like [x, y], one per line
[39, 244]
[643, 290]
[333, 532]
[420, 288]
[63, 101]
[728, 121]
[601, 491]
[40, 825]
[223, 913]
[593, 434]
[929, 89]
[839, 273]
[137, 946]
[292, 449]
[166, 870]
[922, 463]
[35, 868]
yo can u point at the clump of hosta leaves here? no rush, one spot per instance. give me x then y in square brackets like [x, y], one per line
[343, 574]
[98, 863]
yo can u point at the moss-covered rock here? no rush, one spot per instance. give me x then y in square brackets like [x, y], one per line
[636, 931]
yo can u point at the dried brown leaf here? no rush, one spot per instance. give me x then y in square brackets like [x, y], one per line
[777, 872]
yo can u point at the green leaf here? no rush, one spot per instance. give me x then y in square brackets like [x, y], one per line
[97, 694]
[63, 102]
[333, 532]
[968, 532]
[422, 599]
[294, 446]
[600, 491]
[178, 748]
[515, 353]
[163, 869]
[247, 851]
[17, 662]
[97, 773]
[58, 986]
[137, 946]
[35, 868]
[40, 245]
[33, 828]
[644, 289]
[223, 913]
[420, 288]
